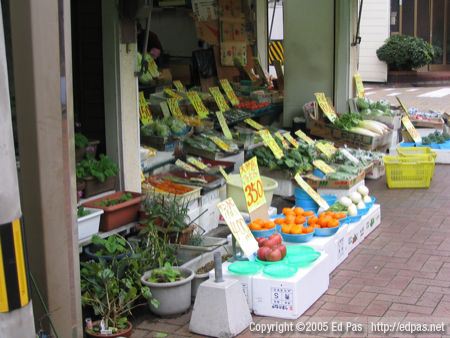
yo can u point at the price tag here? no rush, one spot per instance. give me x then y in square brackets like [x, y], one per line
[183, 165]
[199, 107]
[322, 166]
[222, 145]
[325, 106]
[195, 162]
[327, 149]
[349, 156]
[165, 108]
[252, 184]
[174, 108]
[144, 111]
[311, 192]
[218, 97]
[291, 140]
[254, 124]
[179, 86]
[237, 225]
[402, 105]
[224, 125]
[304, 137]
[359, 85]
[270, 142]
[229, 92]
[172, 94]
[412, 131]
[224, 174]
[153, 68]
[283, 141]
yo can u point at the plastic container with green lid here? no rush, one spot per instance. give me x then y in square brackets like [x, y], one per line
[280, 270]
[245, 267]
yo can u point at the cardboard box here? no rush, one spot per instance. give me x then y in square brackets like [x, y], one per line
[372, 220]
[355, 234]
[318, 183]
[289, 298]
[340, 192]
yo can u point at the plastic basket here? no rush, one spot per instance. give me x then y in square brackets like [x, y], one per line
[408, 151]
[408, 172]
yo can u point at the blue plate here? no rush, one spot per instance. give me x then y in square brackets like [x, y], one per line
[325, 232]
[263, 233]
[303, 238]
[353, 219]
[364, 211]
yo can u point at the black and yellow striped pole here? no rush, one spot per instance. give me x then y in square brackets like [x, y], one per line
[276, 51]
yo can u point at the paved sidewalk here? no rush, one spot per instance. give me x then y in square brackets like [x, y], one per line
[401, 271]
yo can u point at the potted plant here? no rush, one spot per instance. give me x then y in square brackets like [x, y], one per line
[81, 142]
[88, 220]
[112, 247]
[99, 175]
[112, 289]
[171, 287]
[119, 209]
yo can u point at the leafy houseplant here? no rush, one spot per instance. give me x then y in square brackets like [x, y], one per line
[99, 175]
[114, 246]
[81, 141]
[402, 52]
[166, 274]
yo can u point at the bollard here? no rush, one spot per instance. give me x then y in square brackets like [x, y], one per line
[218, 267]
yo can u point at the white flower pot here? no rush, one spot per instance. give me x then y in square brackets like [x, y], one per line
[88, 225]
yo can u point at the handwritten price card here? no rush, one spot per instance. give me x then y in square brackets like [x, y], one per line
[252, 184]
[198, 164]
[322, 166]
[179, 86]
[174, 108]
[412, 131]
[172, 94]
[199, 107]
[325, 106]
[229, 92]
[144, 110]
[270, 142]
[254, 124]
[291, 140]
[224, 125]
[359, 85]
[218, 97]
[237, 225]
[304, 137]
[281, 138]
[311, 192]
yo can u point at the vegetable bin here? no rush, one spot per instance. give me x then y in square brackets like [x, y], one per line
[236, 192]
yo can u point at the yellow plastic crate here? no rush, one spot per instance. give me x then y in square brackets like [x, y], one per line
[409, 151]
[408, 172]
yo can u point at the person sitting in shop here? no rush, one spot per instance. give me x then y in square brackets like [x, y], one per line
[154, 47]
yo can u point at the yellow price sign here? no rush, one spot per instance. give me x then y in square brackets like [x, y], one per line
[311, 192]
[412, 131]
[165, 108]
[283, 141]
[252, 184]
[195, 162]
[144, 111]
[402, 105]
[238, 227]
[270, 142]
[325, 106]
[229, 92]
[322, 166]
[291, 140]
[224, 125]
[153, 68]
[304, 137]
[183, 165]
[327, 149]
[196, 101]
[254, 124]
[179, 86]
[221, 144]
[224, 174]
[172, 94]
[359, 85]
[174, 108]
[218, 97]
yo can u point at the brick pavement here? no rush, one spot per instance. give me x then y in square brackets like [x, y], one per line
[401, 271]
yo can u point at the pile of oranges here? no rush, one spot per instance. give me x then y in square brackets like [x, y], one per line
[261, 224]
[327, 219]
[294, 221]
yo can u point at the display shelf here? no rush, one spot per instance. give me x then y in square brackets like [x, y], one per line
[160, 159]
[124, 228]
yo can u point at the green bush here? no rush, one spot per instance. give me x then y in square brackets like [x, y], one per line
[402, 52]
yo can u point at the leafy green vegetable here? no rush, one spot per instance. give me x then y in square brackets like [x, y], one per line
[81, 141]
[166, 274]
[100, 169]
[348, 121]
[114, 201]
[81, 212]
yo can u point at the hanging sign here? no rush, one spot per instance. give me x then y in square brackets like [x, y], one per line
[304, 137]
[359, 85]
[224, 125]
[326, 148]
[252, 184]
[224, 174]
[291, 140]
[412, 131]
[218, 97]
[179, 86]
[222, 145]
[229, 92]
[325, 106]
[311, 192]
[164, 108]
[283, 141]
[144, 111]
[254, 124]
[174, 108]
[322, 166]
[199, 107]
[237, 225]
[195, 162]
[349, 156]
[270, 142]
[183, 165]
[172, 94]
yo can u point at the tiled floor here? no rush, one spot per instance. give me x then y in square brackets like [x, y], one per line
[401, 271]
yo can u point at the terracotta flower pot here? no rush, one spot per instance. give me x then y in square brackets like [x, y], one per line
[121, 333]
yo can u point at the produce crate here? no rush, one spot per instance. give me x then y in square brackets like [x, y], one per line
[407, 172]
[393, 122]
[316, 182]
[192, 195]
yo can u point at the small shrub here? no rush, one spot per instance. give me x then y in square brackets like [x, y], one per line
[402, 52]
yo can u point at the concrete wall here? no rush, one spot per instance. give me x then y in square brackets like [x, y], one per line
[309, 53]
